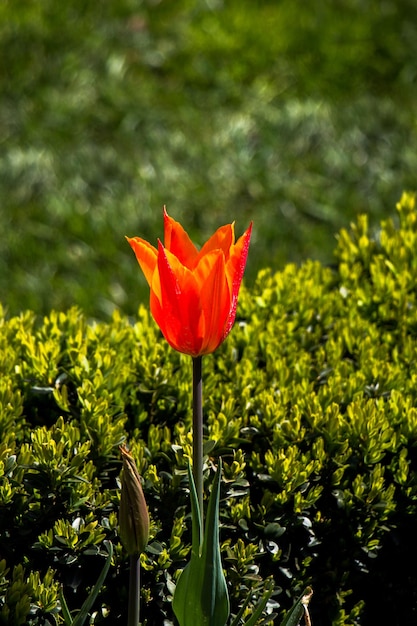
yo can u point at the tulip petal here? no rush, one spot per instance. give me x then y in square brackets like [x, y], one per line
[146, 255]
[223, 239]
[177, 241]
[178, 309]
[215, 298]
[235, 268]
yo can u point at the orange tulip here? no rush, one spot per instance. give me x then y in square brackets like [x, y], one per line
[193, 293]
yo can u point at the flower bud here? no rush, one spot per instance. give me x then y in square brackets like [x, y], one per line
[133, 512]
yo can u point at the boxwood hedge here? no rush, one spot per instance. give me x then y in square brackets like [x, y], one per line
[311, 403]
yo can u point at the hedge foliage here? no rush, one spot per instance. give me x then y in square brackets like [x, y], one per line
[311, 403]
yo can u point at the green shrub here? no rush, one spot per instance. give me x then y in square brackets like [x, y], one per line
[311, 402]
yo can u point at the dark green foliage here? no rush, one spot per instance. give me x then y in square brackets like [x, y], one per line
[311, 403]
[295, 114]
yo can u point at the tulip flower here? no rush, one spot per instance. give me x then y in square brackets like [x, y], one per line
[194, 293]
[193, 300]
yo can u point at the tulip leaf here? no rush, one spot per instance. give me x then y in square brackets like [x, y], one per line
[215, 598]
[184, 601]
[299, 609]
[197, 522]
[201, 594]
[262, 602]
[65, 610]
[86, 607]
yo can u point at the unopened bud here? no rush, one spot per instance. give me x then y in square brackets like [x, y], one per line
[133, 512]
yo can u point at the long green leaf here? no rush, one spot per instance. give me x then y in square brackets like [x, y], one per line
[295, 614]
[201, 593]
[65, 610]
[185, 604]
[260, 606]
[197, 522]
[236, 620]
[86, 607]
[215, 598]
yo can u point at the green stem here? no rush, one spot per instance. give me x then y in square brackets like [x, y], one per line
[133, 615]
[198, 430]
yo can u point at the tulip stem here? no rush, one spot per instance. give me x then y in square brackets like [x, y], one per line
[198, 430]
[134, 591]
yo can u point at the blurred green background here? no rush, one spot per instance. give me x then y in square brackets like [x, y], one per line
[295, 114]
